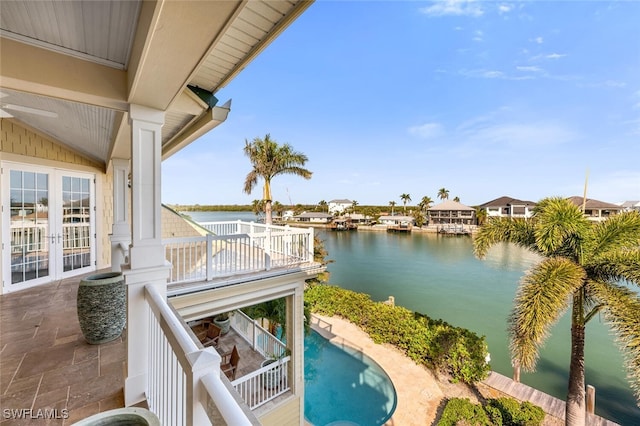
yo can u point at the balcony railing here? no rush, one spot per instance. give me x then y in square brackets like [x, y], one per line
[272, 380]
[181, 375]
[233, 248]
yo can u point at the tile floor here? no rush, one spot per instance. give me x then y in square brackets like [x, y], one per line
[45, 363]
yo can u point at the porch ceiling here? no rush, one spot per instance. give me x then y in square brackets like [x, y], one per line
[70, 69]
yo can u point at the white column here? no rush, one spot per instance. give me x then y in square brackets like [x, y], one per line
[121, 229]
[147, 264]
[295, 342]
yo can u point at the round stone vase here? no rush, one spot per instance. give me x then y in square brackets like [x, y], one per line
[102, 305]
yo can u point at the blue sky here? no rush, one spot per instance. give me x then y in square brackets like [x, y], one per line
[482, 98]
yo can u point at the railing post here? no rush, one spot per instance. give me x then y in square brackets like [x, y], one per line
[238, 227]
[209, 257]
[310, 253]
[255, 334]
[202, 363]
[267, 249]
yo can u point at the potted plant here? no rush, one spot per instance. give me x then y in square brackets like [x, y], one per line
[223, 321]
[271, 378]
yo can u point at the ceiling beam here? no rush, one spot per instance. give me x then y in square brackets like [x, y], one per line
[172, 39]
[64, 77]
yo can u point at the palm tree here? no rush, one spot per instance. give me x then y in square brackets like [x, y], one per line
[481, 215]
[269, 160]
[354, 203]
[392, 204]
[456, 199]
[586, 267]
[322, 204]
[405, 199]
[257, 206]
[443, 194]
[425, 203]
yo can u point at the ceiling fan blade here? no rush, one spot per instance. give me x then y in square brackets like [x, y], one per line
[30, 110]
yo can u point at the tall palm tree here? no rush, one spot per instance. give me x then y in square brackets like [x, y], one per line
[322, 204]
[269, 160]
[354, 203]
[405, 199]
[586, 267]
[443, 193]
[392, 204]
[425, 203]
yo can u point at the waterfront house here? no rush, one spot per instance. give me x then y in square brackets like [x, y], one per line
[630, 205]
[451, 212]
[92, 102]
[313, 217]
[400, 223]
[338, 207]
[596, 210]
[508, 207]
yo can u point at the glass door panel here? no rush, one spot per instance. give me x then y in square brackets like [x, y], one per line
[29, 227]
[76, 223]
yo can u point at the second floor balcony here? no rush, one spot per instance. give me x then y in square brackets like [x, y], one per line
[236, 248]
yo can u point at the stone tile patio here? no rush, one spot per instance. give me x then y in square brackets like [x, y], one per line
[45, 363]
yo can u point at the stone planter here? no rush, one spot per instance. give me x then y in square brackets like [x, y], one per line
[131, 416]
[102, 307]
[223, 323]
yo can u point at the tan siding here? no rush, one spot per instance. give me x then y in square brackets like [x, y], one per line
[174, 226]
[17, 139]
[287, 414]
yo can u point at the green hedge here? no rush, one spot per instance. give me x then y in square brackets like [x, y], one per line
[434, 343]
[497, 412]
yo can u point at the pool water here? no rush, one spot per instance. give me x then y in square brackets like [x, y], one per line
[343, 386]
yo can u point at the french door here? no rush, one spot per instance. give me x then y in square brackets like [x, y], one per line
[48, 218]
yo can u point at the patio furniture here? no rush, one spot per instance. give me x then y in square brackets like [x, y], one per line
[229, 363]
[213, 336]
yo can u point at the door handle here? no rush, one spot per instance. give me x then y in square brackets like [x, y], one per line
[53, 239]
[59, 236]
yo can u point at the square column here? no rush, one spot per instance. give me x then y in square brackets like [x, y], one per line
[295, 342]
[121, 229]
[147, 264]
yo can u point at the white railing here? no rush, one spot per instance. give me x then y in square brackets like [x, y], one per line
[216, 255]
[179, 372]
[263, 385]
[263, 342]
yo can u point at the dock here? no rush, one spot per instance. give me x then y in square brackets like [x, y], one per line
[551, 405]
[453, 230]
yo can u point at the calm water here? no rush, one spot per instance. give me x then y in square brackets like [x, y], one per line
[344, 387]
[439, 276]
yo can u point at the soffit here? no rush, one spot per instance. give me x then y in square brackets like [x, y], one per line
[84, 61]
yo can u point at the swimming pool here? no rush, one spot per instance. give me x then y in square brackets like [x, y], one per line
[343, 386]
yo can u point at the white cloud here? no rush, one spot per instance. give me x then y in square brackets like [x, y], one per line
[614, 83]
[529, 69]
[555, 56]
[504, 8]
[482, 73]
[478, 35]
[427, 130]
[521, 135]
[539, 40]
[454, 7]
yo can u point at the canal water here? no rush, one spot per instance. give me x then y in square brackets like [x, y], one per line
[440, 277]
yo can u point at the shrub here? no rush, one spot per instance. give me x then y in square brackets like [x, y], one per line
[434, 343]
[515, 413]
[462, 410]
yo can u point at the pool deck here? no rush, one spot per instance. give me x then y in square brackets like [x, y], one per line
[419, 395]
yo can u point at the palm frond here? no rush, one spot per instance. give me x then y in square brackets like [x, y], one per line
[544, 295]
[498, 230]
[560, 227]
[615, 266]
[617, 232]
[250, 181]
[621, 309]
